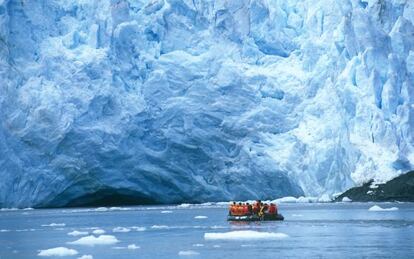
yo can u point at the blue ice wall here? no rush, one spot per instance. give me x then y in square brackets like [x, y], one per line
[179, 100]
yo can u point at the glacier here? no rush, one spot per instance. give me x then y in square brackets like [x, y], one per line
[169, 101]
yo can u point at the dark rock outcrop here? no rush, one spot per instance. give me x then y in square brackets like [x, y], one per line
[400, 188]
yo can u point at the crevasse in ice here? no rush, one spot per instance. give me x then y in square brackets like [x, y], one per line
[179, 100]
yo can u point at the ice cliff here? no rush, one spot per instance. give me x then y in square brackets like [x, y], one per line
[190, 100]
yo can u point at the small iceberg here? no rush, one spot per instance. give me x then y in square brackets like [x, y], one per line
[92, 240]
[57, 251]
[378, 208]
[346, 199]
[98, 231]
[133, 247]
[160, 227]
[121, 230]
[166, 211]
[76, 233]
[139, 228]
[188, 253]
[244, 235]
[200, 217]
[54, 225]
[86, 257]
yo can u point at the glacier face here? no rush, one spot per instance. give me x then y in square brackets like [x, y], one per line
[178, 100]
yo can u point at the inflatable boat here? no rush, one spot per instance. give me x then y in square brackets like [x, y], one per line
[265, 217]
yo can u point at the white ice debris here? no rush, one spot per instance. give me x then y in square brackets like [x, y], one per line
[78, 233]
[133, 247]
[160, 227]
[244, 235]
[138, 228]
[346, 199]
[98, 231]
[86, 257]
[200, 217]
[58, 251]
[92, 240]
[54, 225]
[188, 253]
[121, 229]
[378, 208]
[166, 211]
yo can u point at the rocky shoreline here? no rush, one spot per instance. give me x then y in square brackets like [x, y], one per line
[400, 188]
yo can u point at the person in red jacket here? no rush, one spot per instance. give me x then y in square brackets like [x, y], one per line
[272, 208]
[232, 208]
[256, 207]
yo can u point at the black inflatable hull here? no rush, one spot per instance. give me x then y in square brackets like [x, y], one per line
[267, 217]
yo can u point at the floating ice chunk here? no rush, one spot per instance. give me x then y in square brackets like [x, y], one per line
[166, 211]
[133, 247]
[98, 231]
[198, 245]
[92, 240]
[4, 230]
[58, 251]
[244, 235]
[101, 209]
[119, 208]
[86, 257]
[217, 227]
[78, 233]
[28, 208]
[139, 228]
[121, 229]
[184, 205]
[346, 199]
[297, 215]
[200, 217]
[378, 208]
[188, 253]
[290, 199]
[160, 227]
[9, 209]
[54, 225]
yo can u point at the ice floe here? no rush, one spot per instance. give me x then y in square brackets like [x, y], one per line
[166, 211]
[133, 247]
[54, 225]
[198, 245]
[200, 217]
[160, 227]
[244, 235]
[98, 231]
[184, 205]
[378, 208]
[58, 251]
[139, 228]
[92, 240]
[78, 233]
[121, 229]
[188, 253]
[86, 257]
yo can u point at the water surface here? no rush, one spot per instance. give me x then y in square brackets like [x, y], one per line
[341, 230]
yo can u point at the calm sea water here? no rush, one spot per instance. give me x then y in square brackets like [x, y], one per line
[347, 230]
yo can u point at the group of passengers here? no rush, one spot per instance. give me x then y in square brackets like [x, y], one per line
[247, 209]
